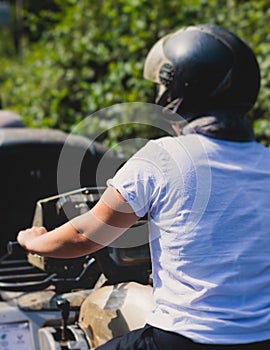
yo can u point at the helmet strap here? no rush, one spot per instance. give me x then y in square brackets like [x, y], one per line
[170, 110]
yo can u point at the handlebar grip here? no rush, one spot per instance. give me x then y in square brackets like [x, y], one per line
[14, 248]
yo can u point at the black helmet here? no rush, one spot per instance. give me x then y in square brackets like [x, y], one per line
[203, 68]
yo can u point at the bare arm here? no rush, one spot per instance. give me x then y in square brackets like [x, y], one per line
[85, 234]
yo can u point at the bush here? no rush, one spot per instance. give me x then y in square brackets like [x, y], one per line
[93, 55]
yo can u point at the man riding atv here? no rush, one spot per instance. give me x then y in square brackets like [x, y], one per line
[206, 193]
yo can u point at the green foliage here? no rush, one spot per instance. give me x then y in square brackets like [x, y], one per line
[90, 55]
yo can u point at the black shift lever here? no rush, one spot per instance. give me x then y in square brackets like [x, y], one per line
[64, 306]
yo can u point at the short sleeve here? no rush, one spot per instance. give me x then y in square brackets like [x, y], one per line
[140, 180]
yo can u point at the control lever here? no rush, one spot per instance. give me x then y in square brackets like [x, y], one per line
[64, 306]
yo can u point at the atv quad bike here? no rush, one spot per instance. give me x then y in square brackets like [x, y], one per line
[51, 304]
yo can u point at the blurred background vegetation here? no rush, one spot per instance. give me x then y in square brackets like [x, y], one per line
[62, 60]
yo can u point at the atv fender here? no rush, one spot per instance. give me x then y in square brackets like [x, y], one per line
[111, 311]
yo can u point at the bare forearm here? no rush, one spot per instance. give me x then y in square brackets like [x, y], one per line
[63, 242]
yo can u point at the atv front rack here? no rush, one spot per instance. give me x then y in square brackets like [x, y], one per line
[18, 275]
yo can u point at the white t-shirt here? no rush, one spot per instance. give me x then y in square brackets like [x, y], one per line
[208, 203]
